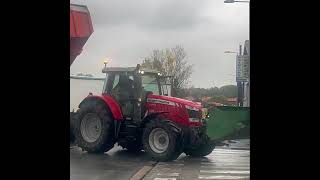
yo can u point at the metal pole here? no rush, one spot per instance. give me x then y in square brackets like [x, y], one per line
[248, 99]
[240, 94]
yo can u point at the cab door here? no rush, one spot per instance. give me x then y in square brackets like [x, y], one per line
[137, 97]
[120, 86]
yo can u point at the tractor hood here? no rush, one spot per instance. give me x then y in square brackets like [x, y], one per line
[175, 100]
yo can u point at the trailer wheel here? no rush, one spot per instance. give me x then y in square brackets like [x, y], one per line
[161, 142]
[203, 150]
[94, 128]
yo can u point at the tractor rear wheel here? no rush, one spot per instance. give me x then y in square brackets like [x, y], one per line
[94, 128]
[203, 150]
[161, 141]
[72, 138]
[72, 121]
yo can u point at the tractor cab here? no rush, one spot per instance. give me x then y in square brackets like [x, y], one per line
[129, 86]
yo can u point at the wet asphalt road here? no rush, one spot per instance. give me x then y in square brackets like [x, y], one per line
[222, 163]
[117, 164]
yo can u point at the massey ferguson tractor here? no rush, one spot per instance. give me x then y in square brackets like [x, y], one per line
[133, 112]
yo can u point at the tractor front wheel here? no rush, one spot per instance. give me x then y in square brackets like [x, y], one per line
[203, 150]
[161, 141]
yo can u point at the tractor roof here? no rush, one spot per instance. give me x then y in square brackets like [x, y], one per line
[126, 69]
[119, 69]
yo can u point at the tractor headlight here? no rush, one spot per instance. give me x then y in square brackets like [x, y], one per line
[194, 114]
[141, 72]
[204, 113]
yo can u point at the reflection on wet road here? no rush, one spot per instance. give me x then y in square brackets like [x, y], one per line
[117, 164]
[222, 163]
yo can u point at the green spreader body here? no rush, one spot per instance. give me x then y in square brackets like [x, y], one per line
[228, 122]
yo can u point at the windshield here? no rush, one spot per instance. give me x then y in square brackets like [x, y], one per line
[165, 83]
[150, 83]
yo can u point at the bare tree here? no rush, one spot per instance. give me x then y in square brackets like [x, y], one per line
[171, 62]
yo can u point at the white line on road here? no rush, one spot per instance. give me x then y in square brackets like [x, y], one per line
[229, 154]
[222, 149]
[225, 167]
[164, 178]
[223, 177]
[141, 173]
[168, 174]
[224, 172]
[168, 164]
[224, 164]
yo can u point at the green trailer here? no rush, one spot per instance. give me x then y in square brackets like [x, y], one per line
[228, 122]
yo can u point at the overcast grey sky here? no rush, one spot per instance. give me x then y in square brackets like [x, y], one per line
[128, 30]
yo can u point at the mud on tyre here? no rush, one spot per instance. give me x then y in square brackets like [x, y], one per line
[94, 127]
[162, 141]
[203, 149]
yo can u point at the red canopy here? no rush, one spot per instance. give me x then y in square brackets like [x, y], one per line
[80, 29]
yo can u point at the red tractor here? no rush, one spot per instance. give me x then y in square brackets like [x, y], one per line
[135, 112]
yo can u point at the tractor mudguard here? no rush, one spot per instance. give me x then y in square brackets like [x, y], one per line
[173, 125]
[151, 116]
[110, 103]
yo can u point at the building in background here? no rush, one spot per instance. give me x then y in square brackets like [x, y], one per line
[232, 101]
[246, 52]
[243, 75]
[80, 87]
